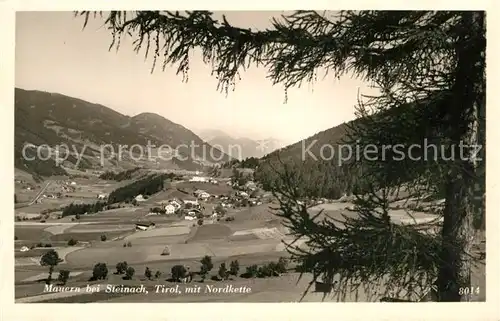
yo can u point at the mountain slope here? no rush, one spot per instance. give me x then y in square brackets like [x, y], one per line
[176, 137]
[382, 146]
[92, 130]
[311, 145]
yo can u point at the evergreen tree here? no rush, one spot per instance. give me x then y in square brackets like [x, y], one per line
[435, 60]
[50, 259]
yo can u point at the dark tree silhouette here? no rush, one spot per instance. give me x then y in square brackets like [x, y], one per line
[178, 272]
[100, 272]
[434, 59]
[63, 276]
[50, 259]
[148, 274]
[206, 266]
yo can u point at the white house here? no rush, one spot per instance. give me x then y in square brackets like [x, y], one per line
[102, 196]
[175, 204]
[198, 192]
[193, 212]
[243, 194]
[139, 198]
[189, 218]
[204, 195]
[192, 202]
[73, 183]
[170, 209]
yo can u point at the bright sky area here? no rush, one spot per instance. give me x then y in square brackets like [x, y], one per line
[54, 54]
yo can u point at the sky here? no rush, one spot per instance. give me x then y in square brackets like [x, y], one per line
[54, 54]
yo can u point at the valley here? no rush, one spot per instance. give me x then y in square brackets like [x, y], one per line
[229, 225]
[98, 205]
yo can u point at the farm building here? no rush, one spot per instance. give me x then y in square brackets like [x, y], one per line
[192, 202]
[198, 192]
[193, 212]
[198, 179]
[170, 209]
[175, 204]
[102, 196]
[144, 226]
[140, 198]
[201, 194]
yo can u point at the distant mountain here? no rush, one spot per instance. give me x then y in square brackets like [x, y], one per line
[209, 134]
[93, 130]
[241, 147]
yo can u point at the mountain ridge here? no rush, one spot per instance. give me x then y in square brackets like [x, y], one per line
[53, 119]
[240, 147]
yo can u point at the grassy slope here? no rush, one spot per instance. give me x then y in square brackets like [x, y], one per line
[55, 119]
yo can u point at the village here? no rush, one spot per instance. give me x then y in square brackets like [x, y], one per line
[157, 222]
[190, 209]
[90, 221]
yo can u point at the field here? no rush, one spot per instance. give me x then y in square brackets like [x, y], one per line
[254, 237]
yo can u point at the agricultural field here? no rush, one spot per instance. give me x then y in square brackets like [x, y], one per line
[187, 242]
[255, 235]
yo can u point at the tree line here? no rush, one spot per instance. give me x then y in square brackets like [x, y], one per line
[146, 186]
[80, 209]
[120, 176]
[178, 272]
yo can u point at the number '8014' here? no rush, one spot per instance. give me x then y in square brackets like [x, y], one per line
[469, 290]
